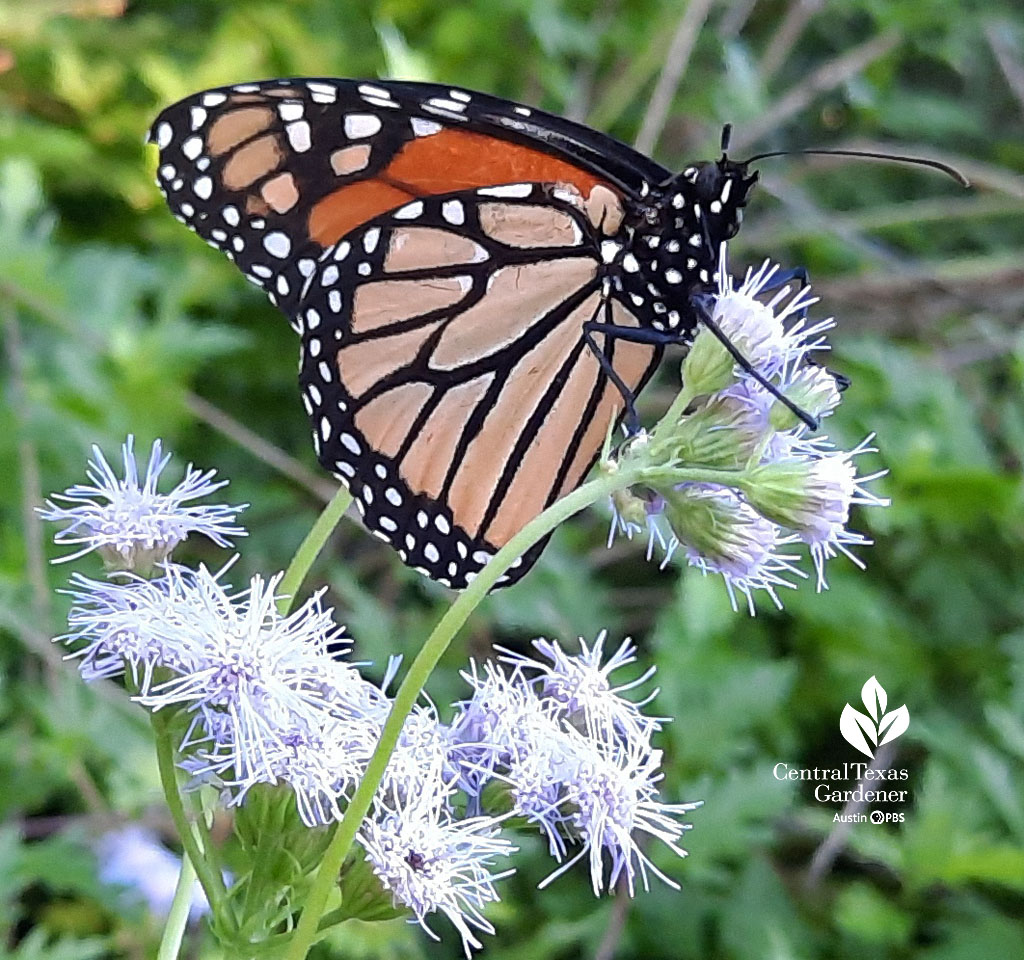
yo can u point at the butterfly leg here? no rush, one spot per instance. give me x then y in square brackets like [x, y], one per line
[781, 277]
[706, 318]
[632, 421]
[663, 338]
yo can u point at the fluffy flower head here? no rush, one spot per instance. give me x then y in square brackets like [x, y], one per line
[433, 863]
[129, 522]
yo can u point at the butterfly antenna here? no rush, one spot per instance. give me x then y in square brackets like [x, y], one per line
[891, 157]
[726, 138]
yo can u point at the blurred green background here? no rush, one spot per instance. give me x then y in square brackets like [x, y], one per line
[115, 319]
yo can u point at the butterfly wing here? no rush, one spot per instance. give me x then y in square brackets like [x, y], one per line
[439, 251]
[446, 373]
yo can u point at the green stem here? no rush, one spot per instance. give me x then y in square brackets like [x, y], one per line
[310, 548]
[674, 413]
[409, 691]
[670, 476]
[177, 918]
[201, 822]
[209, 876]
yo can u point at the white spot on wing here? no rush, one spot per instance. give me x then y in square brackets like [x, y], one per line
[507, 190]
[277, 244]
[299, 136]
[361, 125]
[410, 211]
[442, 104]
[453, 212]
[425, 128]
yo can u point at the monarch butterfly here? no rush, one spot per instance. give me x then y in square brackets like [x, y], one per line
[481, 288]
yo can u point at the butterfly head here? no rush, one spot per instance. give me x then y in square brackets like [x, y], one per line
[720, 189]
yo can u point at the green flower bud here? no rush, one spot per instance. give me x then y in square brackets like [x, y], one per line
[726, 432]
[721, 529]
[630, 509]
[708, 365]
[803, 495]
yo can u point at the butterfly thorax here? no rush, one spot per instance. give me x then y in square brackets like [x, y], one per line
[672, 240]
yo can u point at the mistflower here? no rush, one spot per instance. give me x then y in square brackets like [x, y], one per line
[143, 624]
[758, 329]
[432, 862]
[812, 495]
[541, 762]
[254, 675]
[487, 726]
[611, 800]
[321, 763]
[132, 525]
[268, 703]
[578, 686]
[719, 532]
[573, 756]
[730, 478]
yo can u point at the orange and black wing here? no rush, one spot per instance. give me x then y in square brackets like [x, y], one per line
[439, 252]
[446, 373]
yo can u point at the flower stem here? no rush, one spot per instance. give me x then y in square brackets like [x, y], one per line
[209, 876]
[411, 687]
[674, 413]
[310, 548]
[177, 918]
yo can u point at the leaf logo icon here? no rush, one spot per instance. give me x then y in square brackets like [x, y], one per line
[867, 732]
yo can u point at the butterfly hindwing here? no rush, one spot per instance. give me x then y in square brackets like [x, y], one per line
[446, 374]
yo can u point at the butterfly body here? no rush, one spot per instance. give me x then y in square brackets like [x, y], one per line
[479, 287]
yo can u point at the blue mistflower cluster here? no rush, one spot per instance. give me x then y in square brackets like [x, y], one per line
[270, 700]
[769, 486]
